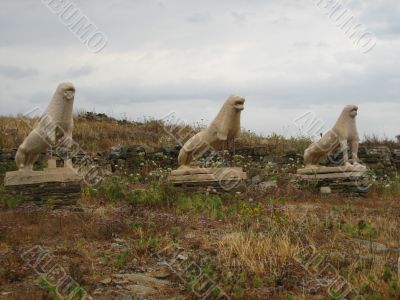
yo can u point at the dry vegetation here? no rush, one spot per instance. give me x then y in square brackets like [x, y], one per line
[250, 248]
[95, 135]
[254, 245]
[103, 134]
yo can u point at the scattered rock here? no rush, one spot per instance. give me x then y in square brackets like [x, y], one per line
[106, 281]
[142, 279]
[268, 185]
[374, 247]
[325, 190]
[161, 273]
[256, 179]
[182, 256]
[141, 290]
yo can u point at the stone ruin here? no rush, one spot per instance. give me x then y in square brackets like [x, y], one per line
[58, 185]
[261, 163]
[220, 135]
[345, 172]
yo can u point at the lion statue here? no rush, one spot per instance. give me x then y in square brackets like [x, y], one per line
[56, 123]
[343, 134]
[223, 130]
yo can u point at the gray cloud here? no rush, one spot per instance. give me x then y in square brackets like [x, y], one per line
[200, 17]
[284, 56]
[17, 72]
[75, 72]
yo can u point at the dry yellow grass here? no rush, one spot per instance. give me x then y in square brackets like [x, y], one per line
[95, 135]
[257, 253]
[101, 135]
[91, 135]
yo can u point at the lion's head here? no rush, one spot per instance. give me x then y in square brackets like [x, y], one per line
[351, 111]
[227, 122]
[66, 90]
[236, 102]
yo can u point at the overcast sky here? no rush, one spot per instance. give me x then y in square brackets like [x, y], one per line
[286, 57]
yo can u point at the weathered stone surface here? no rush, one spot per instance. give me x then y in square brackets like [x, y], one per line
[222, 131]
[266, 185]
[340, 174]
[61, 175]
[53, 193]
[160, 273]
[220, 178]
[142, 279]
[258, 167]
[379, 158]
[136, 285]
[311, 170]
[342, 136]
[55, 124]
[325, 190]
[58, 186]
[140, 290]
[219, 135]
[351, 183]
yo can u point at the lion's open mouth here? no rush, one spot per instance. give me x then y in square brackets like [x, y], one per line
[354, 112]
[239, 104]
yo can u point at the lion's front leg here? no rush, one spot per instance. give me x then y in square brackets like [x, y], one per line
[67, 140]
[344, 149]
[354, 151]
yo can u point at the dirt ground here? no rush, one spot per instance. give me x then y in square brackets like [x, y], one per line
[238, 247]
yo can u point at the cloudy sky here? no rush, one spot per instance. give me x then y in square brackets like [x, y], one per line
[287, 57]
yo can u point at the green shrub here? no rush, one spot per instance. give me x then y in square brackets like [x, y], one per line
[121, 259]
[198, 203]
[114, 189]
[159, 195]
[9, 201]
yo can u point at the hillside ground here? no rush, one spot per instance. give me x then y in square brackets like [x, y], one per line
[279, 243]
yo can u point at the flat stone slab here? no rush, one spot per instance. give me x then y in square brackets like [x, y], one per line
[66, 174]
[337, 170]
[219, 178]
[207, 174]
[331, 175]
[348, 182]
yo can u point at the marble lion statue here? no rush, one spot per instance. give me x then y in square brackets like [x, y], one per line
[56, 123]
[342, 136]
[223, 130]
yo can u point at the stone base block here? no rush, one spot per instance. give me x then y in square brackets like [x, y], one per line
[227, 179]
[56, 186]
[352, 180]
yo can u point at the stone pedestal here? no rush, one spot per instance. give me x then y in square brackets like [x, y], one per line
[56, 186]
[352, 179]
[228, 179]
